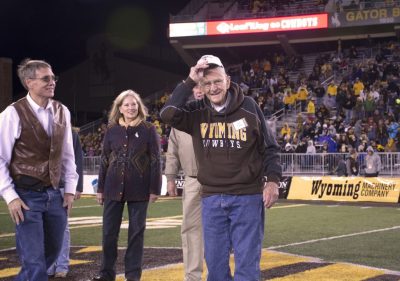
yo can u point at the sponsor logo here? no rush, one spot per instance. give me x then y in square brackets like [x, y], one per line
[352, 190]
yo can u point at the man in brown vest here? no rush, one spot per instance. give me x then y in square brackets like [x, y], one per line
[35, 152]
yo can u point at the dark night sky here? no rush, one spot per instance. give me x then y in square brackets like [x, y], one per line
[57, 30]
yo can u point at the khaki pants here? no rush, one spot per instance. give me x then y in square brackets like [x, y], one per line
[191, 231]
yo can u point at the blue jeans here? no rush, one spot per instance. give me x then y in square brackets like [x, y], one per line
[62, 263]
[233, 222]
[39, 237]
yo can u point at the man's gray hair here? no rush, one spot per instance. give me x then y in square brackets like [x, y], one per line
[27, 69]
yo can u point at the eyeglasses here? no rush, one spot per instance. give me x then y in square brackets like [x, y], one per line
[47, 78]
[207, 85]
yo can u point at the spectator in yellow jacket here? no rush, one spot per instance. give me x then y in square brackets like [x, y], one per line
[285, 132]
[311, 109]
[302, 94]
[331, 90]
[289, 100]
[358, 87]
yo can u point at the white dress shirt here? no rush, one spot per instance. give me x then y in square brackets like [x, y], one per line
[10, 131]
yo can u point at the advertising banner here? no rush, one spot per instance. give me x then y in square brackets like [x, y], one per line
[284, 187]
[349, 189]
[365, 17]
[267, 24]
[224, 27]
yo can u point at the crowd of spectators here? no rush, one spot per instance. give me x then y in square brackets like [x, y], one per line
[92, 141]
[341, 5]
[357, 111]
[361, 110]
[277, 7]
[272, 8]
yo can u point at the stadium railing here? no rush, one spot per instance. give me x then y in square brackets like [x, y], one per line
[323, 164]
[294, 164]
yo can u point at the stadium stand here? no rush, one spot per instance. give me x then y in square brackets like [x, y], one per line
[354, 89]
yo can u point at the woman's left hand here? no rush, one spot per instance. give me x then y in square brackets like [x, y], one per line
[153, 198]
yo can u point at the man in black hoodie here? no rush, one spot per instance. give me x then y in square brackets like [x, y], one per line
[238, 167]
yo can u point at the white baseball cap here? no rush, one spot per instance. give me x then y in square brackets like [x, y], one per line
[210, 59]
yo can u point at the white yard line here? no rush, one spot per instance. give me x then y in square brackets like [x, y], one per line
[7, 235]
[289, 206]
[9, 249]
[334, 237]
[88, 206]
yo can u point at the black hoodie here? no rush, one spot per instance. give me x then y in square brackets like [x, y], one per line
[235, 150]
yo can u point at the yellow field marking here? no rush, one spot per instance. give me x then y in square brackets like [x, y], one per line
[12, 271]
[89, 249]
[7, 235]
[159, 227]
[88, 195]
[3, 259]
[289, 206]
[76, 262]
[171, 273]
[8, 272]
[334, 272]
[167, 198]
[270, 259]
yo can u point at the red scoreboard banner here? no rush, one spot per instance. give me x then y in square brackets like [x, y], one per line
[222, 27]
[267, 24]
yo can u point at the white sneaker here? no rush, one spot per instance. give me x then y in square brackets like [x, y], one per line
[62, 274]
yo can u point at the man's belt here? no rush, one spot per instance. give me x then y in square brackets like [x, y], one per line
[36, 188]
[30, 183]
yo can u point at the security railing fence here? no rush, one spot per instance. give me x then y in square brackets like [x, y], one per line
[323, 164]
[294, 164]
[91, 165]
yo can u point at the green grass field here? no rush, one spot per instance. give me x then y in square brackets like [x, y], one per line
[335, 233]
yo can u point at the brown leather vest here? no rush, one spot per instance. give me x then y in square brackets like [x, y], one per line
[35, 154]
